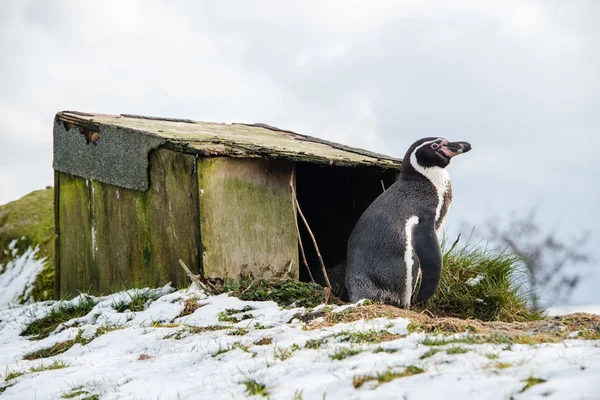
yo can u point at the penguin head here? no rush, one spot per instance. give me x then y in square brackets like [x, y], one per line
[434, 152]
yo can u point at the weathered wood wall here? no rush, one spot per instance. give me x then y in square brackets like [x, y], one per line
[111, 237]
[246, 216]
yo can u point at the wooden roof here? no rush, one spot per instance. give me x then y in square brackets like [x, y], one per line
[234, 140]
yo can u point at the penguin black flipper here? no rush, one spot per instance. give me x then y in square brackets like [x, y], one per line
[429, 253]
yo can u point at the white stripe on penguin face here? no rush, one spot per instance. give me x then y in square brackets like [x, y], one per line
[408, 258]
[437, 176]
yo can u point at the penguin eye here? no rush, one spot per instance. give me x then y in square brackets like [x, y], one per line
[435, 146]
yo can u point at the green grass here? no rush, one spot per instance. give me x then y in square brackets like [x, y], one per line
[63, 312]
[481, 339]
[231, 311]
[343, 353]
[383, 350]
[314, 343]
[237, 332]
[57, 348]
[387, 376]
[370, 336]
[107, 328]
[3, 388]
[57, 364]
[137, 301]
[228, 316]
[234, 346]
[74, 393]
[429, 353]
[190, 329]
[30, 220]
[531, 381]
[498, 296]
[12, 375]
[457, 350]
[284, 292]
[254, 388]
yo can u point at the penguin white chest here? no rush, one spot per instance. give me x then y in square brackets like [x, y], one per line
[440, 180]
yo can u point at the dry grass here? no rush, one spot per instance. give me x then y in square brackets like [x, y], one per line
[263, 341]
[550, 329]
[189, 306]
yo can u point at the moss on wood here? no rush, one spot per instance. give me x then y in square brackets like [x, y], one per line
[30, 220]
[112, 237]
[246, 217]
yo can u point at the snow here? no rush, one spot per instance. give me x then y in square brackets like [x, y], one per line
[18, 275]
[474, 281]
[147, 360]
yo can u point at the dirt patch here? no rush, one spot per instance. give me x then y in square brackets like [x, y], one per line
[550, 329]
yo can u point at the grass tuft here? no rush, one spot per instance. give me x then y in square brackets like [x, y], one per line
[343, 353]
[254, 388]
[3, 388]
[314, 343]
[189, 306]
[13, 375]
[457, 350]
[138, 300]
[370, 336]
[57, 348]
[384, 350]
[531, 381]
[481, 339]
[429, 353]
[478, 283]
[57, 364]
[386, 376]
[282, 353]
[284, 292]
[43, 327]
[234, 346]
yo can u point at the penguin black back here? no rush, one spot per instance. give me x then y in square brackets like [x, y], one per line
[395, 240]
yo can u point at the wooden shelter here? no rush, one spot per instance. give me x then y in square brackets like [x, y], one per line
[135, 194]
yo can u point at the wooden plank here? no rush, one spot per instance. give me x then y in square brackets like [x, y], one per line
[75, 241]
[246, 217]
[131, 238]
[173, 215]
[57, 233]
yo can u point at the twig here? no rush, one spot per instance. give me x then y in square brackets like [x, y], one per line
[455, 243]
[297, 228]
[312, 237]
[193, 277]
[382, 185]
[428, 312]
[249, 286]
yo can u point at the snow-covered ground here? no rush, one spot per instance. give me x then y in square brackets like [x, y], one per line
[18, 275]
[158, 355]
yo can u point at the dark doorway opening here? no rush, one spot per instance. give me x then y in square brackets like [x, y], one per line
[332, 200]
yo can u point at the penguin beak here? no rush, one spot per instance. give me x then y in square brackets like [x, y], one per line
[452, 149]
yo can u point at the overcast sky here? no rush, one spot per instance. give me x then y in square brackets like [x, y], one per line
[519, 80]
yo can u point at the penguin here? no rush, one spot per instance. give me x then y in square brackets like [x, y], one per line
[396, 239]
